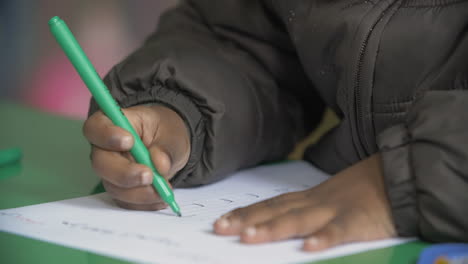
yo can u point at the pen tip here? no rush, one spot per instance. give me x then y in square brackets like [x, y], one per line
[179, 214]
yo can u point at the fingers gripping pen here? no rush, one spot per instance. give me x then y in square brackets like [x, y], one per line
[108, 105]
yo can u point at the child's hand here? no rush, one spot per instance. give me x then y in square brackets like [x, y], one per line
[351, 206]
[164, 133]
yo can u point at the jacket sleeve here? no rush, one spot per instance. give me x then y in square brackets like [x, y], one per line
[228, 68]
[425, 159]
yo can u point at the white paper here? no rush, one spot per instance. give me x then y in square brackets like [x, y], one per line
[95, 224]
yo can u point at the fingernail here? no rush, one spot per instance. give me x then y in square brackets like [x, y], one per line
[146, 178]
[227, 215]
[250, 231]
[223, 223]
[312, 241]
[126, 142]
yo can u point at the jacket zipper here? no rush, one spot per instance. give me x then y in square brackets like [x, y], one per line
[357, 97]
[364, 148]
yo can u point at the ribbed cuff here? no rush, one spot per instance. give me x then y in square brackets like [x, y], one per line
[187, 110]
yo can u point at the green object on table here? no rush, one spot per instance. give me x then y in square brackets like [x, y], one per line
[56, 166]
[9, 156]
[108, 105]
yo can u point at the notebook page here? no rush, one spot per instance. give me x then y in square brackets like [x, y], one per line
[95, 224]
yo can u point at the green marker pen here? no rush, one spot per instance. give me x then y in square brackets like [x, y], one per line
[107, 104]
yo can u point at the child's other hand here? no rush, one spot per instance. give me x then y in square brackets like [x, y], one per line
[351, 206]
[164, 133]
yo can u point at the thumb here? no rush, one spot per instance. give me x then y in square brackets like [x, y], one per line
[162, 161]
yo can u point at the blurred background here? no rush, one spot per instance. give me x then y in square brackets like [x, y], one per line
[33, 69]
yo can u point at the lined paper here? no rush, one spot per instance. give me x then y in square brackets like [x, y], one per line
[94, 223]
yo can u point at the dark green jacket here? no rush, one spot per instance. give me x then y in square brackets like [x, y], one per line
[251, 78]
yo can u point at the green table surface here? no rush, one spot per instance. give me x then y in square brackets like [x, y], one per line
[55, 166]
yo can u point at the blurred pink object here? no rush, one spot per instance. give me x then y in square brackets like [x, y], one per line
[56, 87]
[105, 32]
